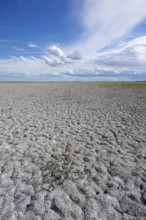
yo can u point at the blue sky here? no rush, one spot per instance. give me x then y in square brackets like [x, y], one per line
[67, 40]
[23, 22]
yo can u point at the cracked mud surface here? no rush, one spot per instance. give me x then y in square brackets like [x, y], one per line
[72, 151]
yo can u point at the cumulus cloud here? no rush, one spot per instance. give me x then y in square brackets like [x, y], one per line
[74, 55]
[53, 62]
[57, 56]
[104, 21]
[24, 65]
[56, 51]
[125, 63]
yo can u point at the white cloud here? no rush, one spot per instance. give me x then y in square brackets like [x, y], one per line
[18, 48]
[56, 51]
[53, 62]
[57, 56]
[22, 58]
[104, 21]
[126, 62]
[74, 55]
[130, 55]
[32, 45]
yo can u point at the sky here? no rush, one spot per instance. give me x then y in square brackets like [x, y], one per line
[72, 40]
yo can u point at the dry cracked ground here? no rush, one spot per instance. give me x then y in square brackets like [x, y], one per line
[72, 151]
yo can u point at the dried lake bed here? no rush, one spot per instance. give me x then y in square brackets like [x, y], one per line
[73, 151]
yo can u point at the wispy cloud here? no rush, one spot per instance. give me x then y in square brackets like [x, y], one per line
[106, 20]
[18, 48]
[32, 45]
[125, 63]
[129, 55]
[102, 22]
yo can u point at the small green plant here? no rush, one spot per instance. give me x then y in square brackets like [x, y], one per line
[57, 170]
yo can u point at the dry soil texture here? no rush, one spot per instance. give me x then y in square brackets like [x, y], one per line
[72, 151]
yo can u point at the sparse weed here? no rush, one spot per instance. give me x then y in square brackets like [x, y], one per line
[57, 170]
